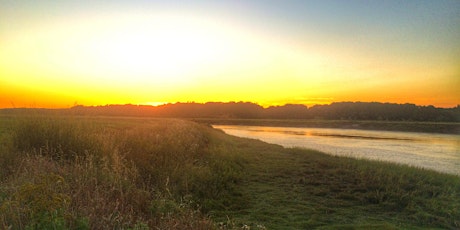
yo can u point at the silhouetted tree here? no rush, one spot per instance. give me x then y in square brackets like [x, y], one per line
[334, 111]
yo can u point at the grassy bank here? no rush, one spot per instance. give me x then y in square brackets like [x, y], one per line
[133, 173]
[405, 126]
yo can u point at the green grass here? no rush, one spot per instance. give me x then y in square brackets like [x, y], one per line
[133, 173]
[309, 190]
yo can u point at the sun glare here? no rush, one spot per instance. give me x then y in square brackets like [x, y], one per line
[154, 103]
[166, 48]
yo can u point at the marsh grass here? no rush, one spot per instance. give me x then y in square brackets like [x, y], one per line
[57, 138]
[130, 173]
[83, 174]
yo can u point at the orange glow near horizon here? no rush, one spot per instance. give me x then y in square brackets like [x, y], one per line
[150, 56]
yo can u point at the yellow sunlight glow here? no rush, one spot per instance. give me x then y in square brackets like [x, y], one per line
[168, 49]
[161, 56]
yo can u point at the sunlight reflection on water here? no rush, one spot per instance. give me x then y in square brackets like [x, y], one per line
[440, 152]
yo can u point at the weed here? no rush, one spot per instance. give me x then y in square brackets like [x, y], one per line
[40, 204]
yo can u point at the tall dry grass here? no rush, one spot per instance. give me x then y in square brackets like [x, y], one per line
[80, 173]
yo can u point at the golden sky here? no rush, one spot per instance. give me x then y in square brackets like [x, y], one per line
[60, 53]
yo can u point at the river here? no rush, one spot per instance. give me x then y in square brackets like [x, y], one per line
[439, 152]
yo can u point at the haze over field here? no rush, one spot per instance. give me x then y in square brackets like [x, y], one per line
[59, 53]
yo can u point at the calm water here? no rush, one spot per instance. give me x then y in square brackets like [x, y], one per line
[439, 152]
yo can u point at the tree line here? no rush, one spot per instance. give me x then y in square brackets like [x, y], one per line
[247, 110]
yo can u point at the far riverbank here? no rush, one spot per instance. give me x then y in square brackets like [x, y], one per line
[403, 126]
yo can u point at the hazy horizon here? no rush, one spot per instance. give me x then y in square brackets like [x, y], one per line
[158, 104]
[63, 53]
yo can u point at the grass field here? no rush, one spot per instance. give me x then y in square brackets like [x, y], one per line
[136, 173]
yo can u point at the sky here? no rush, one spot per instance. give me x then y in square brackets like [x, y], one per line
[57, 54]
